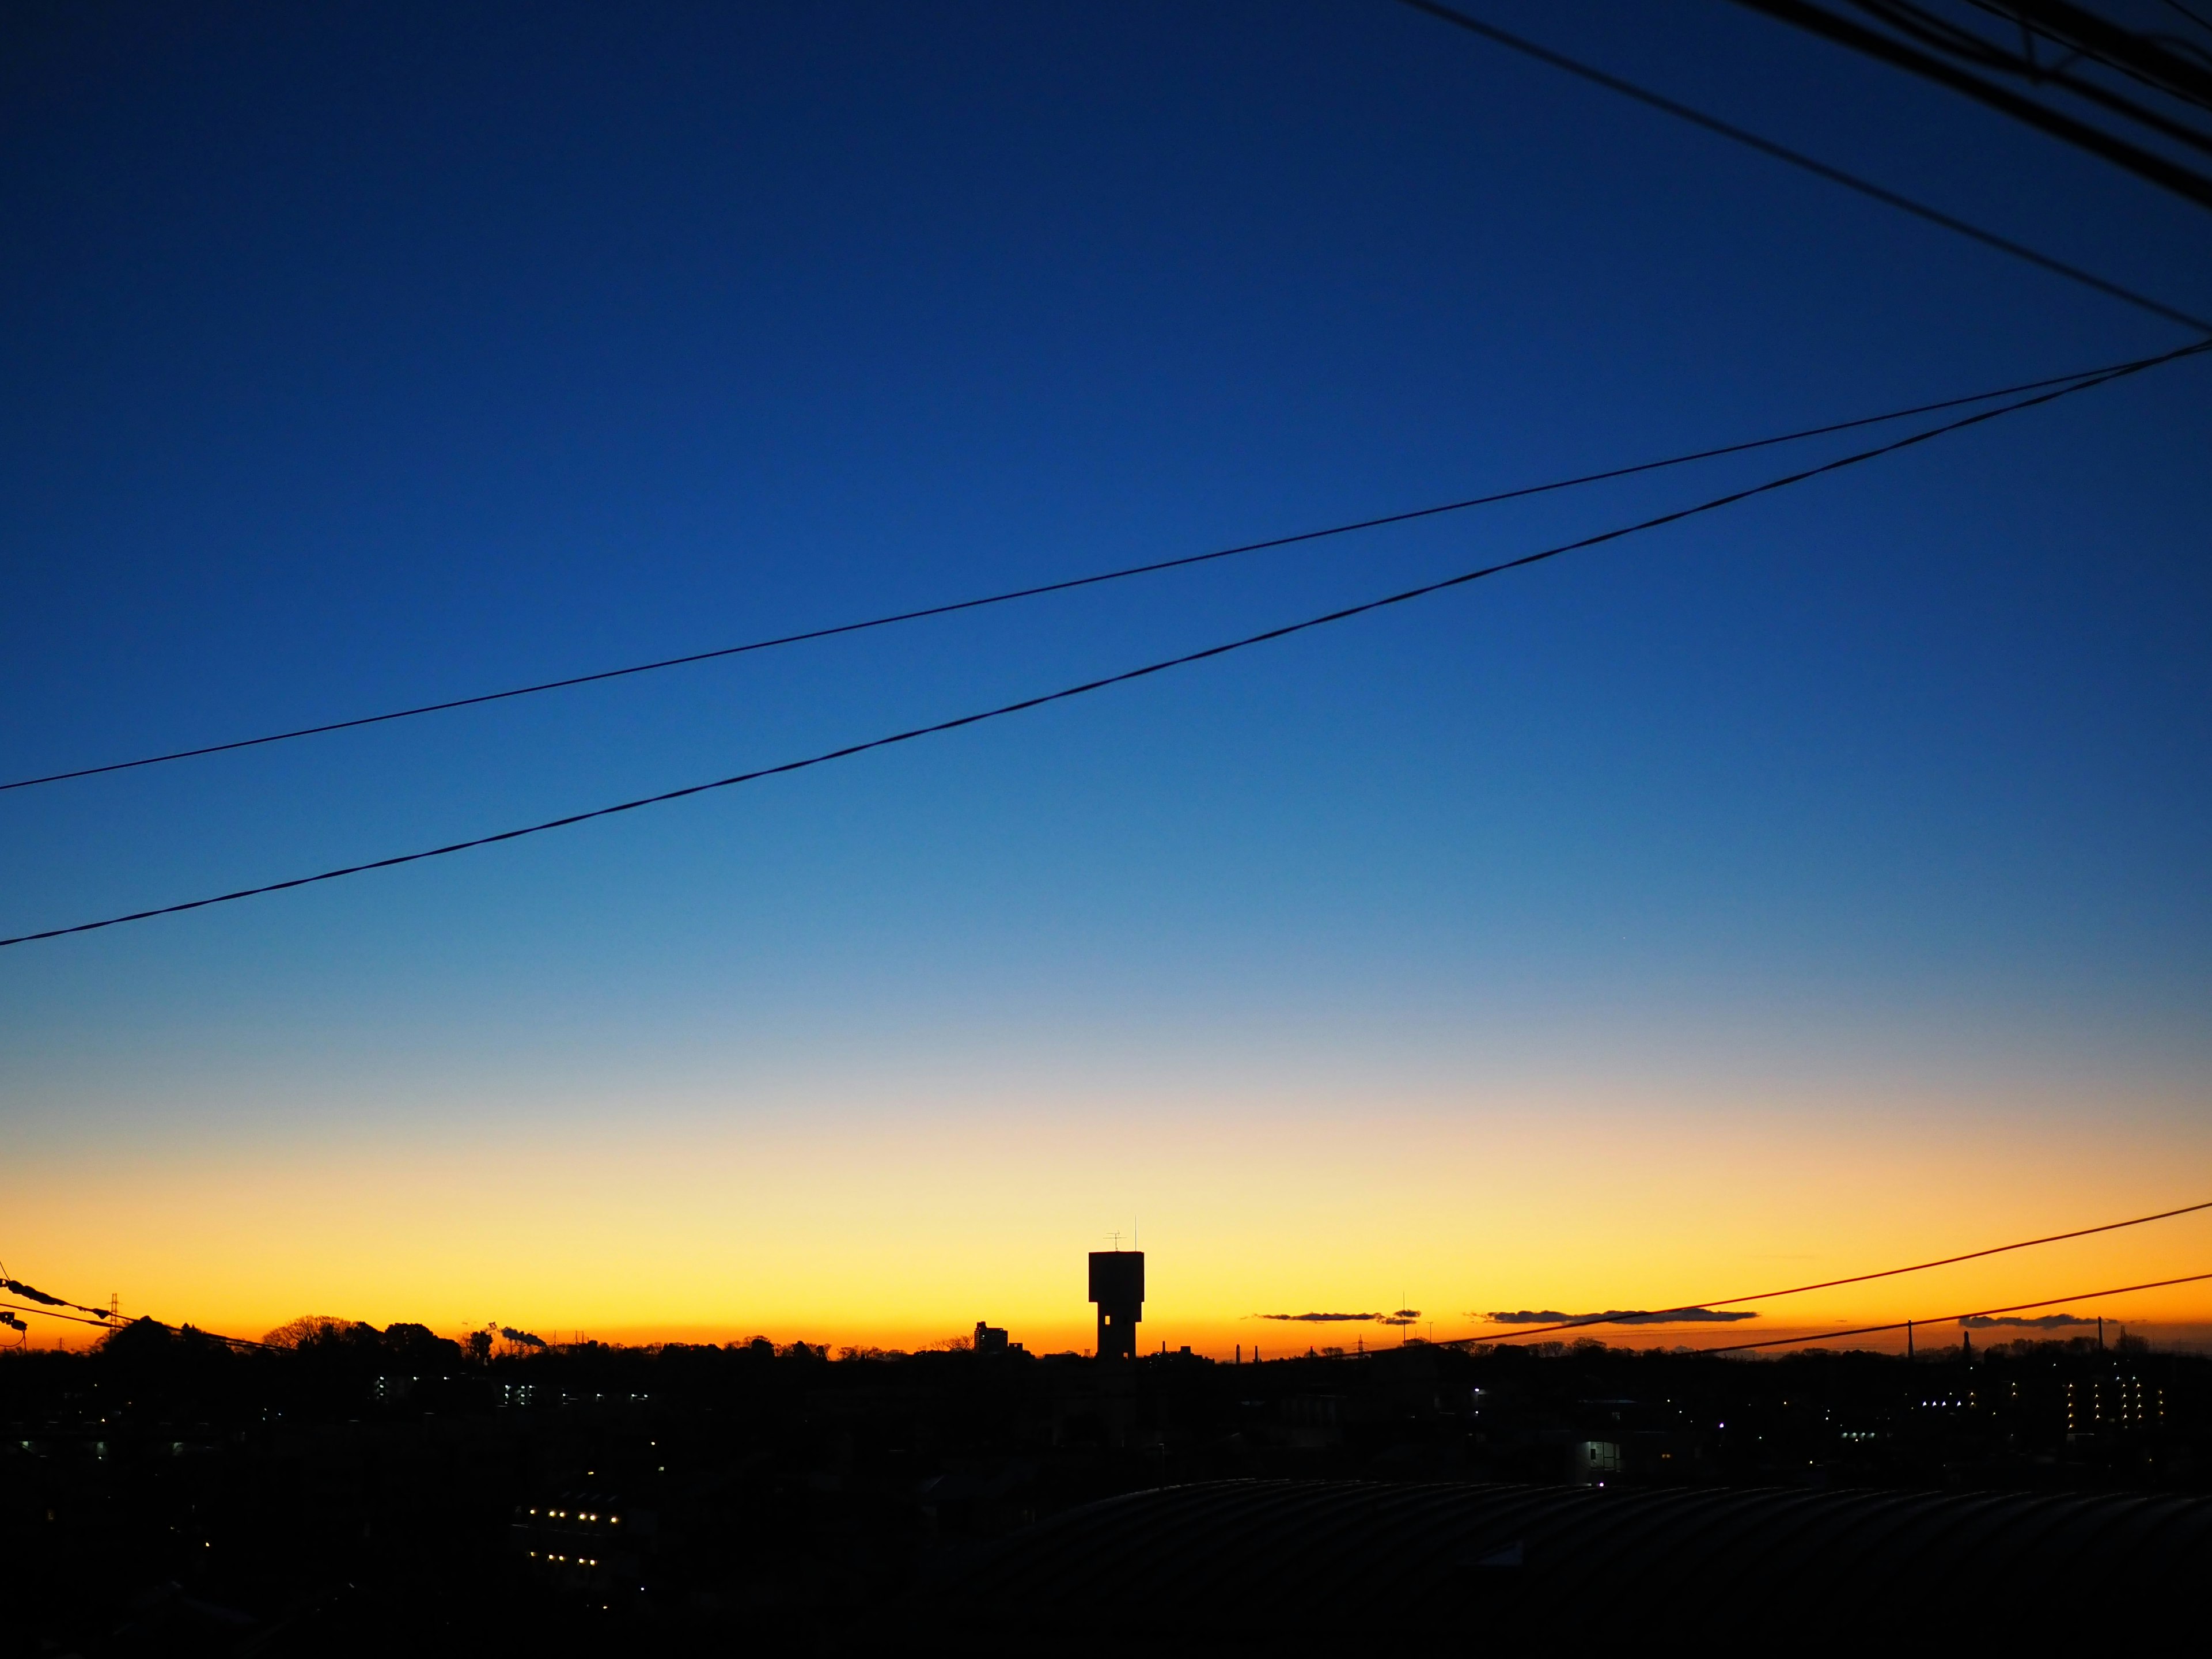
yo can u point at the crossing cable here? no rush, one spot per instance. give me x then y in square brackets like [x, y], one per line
[32, 1294]
[952, 607]
[2185, 182]
[1658, 1315]
[1866, 187]
[2197, 18]
[142, 1319]
[1971, 1313]
[74, 1319]
[1162, 665]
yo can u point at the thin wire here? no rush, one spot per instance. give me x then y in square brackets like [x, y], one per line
[1975, 1313]
[2200, 22]
[1921, 25]
[1657, 1315]
[2146, 164]
[142, 1319]
[49, 1313]
[1798, 159]
[1088, 686]
[1519, 493]
[17, 1287]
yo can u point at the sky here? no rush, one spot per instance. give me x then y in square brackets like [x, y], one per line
[1808, 888]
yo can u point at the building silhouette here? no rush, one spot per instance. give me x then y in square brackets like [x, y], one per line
[1117, 1286]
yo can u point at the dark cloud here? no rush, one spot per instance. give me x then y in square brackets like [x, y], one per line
[1620, 1316]
[1396, 1317]
[1323, 1318]
[2046, 1323]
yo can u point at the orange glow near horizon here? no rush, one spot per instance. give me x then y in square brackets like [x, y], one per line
[855, 1229]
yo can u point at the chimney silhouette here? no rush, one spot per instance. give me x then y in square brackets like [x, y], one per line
[1117, 1286]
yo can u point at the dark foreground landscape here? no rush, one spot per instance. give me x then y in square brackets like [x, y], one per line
[390, 1492]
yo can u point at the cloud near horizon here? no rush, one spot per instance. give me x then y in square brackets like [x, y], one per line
[1618, 1317]
[1395, 1316]
[1323, 1318]
[2043, 1322]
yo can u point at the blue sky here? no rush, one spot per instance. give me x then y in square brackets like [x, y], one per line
[369, 355]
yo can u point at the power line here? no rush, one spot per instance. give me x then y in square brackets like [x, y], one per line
[953, 606]
[1086, 687]
[1971, 1255]
[48, 1313]
[1797, 159]
[1971, 1313]
[2201, 21]
[1655, 1315]
[142, 1319]
[32, 1294]
[2185, 182]
[2149, 60]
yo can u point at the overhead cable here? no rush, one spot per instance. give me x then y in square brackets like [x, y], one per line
[48, 1313]
[1084, 688]
[2197, 18]
[1942, 1319]
[2185, 182]
[32, 1293]
[1798, 159]
[1518, 493]
[142, 1319]
[1656, 1315]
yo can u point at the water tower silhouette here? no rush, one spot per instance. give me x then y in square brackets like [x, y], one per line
[1117, 1286]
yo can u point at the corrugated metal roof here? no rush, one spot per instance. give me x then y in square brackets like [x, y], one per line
[1231, 1553]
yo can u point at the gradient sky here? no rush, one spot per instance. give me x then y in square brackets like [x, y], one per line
[1802, 891]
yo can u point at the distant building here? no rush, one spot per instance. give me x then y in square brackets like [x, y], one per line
[587, 1541]
[989, 1338]
[2102, 1404]
[1117, 1286]
[1594, 1462]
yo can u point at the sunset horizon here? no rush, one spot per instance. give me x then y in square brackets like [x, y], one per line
[928, 796]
